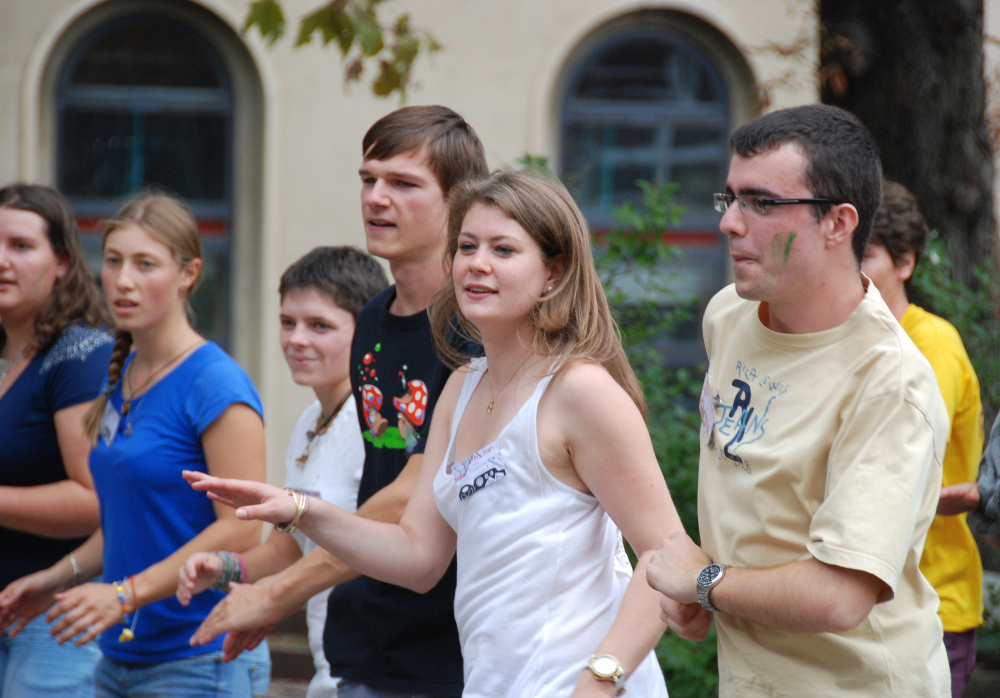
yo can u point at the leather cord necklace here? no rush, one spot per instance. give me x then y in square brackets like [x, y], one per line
[322, 424]
[127, 412]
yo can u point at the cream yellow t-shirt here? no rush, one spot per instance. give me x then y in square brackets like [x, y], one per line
[825, 445]
[951, 557]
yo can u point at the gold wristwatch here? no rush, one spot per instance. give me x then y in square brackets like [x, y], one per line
[604, 667]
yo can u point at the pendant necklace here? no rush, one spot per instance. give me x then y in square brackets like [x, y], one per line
[127, 412]
[494, 396]
[322, 424]
[7, 364]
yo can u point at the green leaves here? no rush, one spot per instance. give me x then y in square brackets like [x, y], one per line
[268, 17]
[972, 310]
[362, 39]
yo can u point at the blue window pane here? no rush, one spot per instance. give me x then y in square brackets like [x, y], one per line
[111, 154]
[186, 154]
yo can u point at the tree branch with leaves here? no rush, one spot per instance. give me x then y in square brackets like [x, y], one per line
[363, 39]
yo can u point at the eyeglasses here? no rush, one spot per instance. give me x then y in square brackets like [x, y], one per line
[760, 204]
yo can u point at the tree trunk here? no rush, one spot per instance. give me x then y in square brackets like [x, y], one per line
[912, 71]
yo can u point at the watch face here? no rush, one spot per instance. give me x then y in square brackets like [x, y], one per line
[709, 574]
[605, 666]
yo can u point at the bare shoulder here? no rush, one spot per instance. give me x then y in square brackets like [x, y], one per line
[583, 387]
[448, 398]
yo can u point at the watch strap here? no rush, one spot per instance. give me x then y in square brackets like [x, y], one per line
[707, 579]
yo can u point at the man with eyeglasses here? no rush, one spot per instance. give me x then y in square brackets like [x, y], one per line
[823, 433]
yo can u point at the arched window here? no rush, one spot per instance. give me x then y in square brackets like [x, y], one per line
[144, 101]
[645, 103]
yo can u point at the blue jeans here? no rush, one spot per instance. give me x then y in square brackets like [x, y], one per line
[203, 676]
[32, 665]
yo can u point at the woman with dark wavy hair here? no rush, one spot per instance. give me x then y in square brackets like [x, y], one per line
[53, 357]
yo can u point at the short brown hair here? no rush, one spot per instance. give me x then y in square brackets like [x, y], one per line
[453, 148]
[347, 275]
[899, 226]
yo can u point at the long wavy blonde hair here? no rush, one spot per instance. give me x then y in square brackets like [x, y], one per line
[574, 320]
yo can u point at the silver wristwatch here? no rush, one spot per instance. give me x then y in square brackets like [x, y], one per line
[708, 578]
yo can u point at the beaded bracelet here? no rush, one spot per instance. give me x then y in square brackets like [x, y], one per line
[234, 569]
[128, 633]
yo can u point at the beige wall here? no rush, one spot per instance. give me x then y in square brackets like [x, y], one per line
[501, 68]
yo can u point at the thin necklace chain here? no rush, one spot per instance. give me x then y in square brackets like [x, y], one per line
[495, 395]
[7, 364]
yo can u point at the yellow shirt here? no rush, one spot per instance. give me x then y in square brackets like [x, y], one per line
[951, 558]
[826, 445]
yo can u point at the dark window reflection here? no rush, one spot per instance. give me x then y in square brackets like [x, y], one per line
[145, 52]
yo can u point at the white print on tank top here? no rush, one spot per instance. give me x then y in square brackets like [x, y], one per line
[481, 469]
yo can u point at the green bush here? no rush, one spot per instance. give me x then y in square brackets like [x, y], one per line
[635, 248]
[973, 312]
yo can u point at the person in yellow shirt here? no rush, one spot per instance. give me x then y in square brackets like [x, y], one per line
[950, 559]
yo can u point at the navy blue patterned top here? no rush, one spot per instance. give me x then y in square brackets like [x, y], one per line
[70, 372]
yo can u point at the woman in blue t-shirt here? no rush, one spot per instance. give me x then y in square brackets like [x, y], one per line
[53, 357]
[175, 402]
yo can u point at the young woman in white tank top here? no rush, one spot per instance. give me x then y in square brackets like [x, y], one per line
[537, 456]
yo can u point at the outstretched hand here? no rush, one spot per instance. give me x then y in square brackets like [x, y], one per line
[251, 499]
[247, 614]
[87, 611]
[26, 598]
[198, 573]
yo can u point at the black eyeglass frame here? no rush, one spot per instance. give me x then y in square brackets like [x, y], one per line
[721, 201]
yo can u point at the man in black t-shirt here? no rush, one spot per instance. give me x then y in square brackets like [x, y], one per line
[382, 639]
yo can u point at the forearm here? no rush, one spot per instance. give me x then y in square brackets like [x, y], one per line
[304, 578]
[64, 509]
[292, 587]
[159, 581]
[803, 597]
[278, 553]
[637, 627]
[386, 551]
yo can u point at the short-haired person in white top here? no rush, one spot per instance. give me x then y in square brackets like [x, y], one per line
[538, 455]
[321, 296]
[823, 436]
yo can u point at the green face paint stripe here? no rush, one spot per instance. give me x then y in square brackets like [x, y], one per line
[788, 246]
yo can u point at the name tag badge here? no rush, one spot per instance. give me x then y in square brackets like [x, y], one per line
[706, 405]
[109, 424]
[480, 470]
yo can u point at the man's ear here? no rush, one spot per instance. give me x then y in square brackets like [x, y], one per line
[905, 270]
[842, 222]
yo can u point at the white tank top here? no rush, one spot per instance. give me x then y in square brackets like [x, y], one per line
[541, 566]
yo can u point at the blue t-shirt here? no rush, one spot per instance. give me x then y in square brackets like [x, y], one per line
[71, 371]
[148, 510]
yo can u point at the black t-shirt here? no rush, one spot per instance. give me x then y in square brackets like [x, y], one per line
[377, 633]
